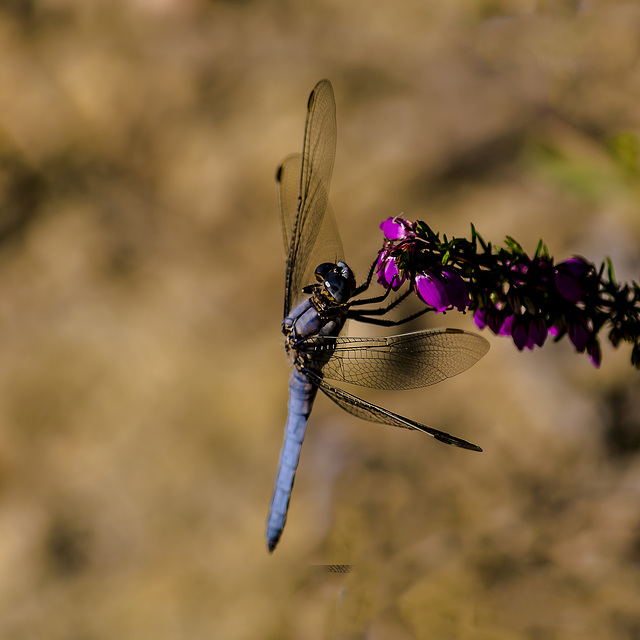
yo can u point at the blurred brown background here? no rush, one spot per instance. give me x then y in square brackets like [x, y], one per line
[143, 384]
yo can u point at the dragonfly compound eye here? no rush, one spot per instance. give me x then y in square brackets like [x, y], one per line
[337, 279]
[323, 270]
[347, 274]
[337, 287]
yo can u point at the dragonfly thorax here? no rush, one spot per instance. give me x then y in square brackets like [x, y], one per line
[324, 312]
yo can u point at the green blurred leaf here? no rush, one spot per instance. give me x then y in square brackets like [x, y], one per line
[625, 149]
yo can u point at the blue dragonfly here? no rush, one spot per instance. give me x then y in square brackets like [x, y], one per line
[319, 298]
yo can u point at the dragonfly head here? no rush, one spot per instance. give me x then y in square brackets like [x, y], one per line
[337, 279]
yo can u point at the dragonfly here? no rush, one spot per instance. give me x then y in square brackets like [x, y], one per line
[321, 295]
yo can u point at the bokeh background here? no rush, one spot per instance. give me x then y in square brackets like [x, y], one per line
[143, 383]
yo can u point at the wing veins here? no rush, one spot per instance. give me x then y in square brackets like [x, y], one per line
[310, 232]
[373, 413]
[407, 361]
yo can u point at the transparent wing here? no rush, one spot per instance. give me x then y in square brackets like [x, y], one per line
[288, 186]
[371, 412]
[327, 247]
[313, 236]
[406, 361]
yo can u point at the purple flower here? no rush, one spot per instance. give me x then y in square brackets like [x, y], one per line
[578, 333]
[431, 290]
[570, 278]
[582, 338]
[442, 290]
[456, 290]
[538, 331]
[506, 328]
[388, 272]
[491, 317]
[481, 318]
[520, 335]
[396, 228]
[595, 355]
[528, 332]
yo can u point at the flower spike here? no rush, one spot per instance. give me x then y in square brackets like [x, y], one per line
[510, 292]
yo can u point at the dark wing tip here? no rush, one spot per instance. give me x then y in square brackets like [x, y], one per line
[279, 171]
[312, 95]
[456, 442]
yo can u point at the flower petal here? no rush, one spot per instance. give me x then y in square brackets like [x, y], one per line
[456, 290]
[595, 355]
[395, 228]
[569, 275]
[480, 318]
[506, 328]
[388, 272]
[538, 331]
[578, 334]
[520, 335]
[431, 290]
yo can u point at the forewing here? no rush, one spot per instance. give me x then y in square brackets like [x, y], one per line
[327, 246]
[406, 361]
[313, 233]
[288, 186]
[373, 413]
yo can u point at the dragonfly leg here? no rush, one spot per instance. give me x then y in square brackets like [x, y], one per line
[364, 317]
[381, 311]
[374, 300]
[365, 285]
